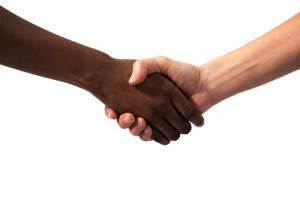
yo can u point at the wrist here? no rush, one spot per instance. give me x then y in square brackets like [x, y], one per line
[213, 75]
[204, 94]
[225, 76]
[88, 67]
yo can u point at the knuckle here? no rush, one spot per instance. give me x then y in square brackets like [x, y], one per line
[162, 60]
[176, 95]
[169, 88]
[161, 103]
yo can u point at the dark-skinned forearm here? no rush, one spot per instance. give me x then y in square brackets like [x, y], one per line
[29, 48]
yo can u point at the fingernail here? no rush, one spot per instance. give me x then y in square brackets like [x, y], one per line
[128, 120]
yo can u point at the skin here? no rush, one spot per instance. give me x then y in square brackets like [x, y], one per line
[262, 60]
[29, 48]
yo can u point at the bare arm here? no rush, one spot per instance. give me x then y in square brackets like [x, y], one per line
[29, 48]
[266, 58]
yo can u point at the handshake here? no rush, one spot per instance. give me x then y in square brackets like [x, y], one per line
[156, 98]
[164, 103]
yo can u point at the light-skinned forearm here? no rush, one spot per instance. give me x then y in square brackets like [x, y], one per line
[268, 57]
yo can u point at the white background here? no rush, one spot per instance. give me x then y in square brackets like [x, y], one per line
[56, 143]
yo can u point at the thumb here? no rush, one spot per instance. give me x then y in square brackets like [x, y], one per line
[142, 68]
[139, 73]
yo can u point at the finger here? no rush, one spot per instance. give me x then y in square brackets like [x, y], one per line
[146, 134]
[139, 73]
[126, 120]
[176, 120]
[187, 109]
[110, 113]
[138, 126]
[165, 128]
[159, 137]
[142, 68]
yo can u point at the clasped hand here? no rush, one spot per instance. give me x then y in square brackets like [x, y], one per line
[157, 100]
[166, 110]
